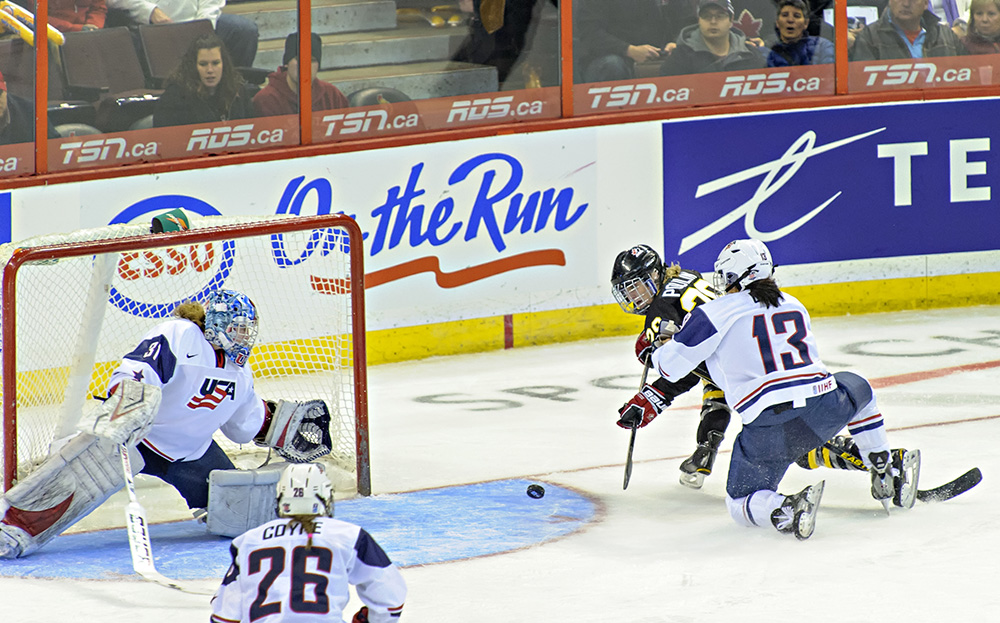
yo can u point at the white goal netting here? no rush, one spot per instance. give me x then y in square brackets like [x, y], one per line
[72, 318]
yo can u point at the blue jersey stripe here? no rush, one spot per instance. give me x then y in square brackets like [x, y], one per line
[155, 352]
[697, 328]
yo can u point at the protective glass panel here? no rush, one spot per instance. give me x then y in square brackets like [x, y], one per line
[417, 65]
[17, 100]
[906, 45]
[151, 84]
[677, 54]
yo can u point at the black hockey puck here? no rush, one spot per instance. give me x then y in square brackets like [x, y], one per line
[536, 491]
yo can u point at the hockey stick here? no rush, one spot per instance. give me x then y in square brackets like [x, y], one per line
[635, 427]
[944, 492]
[138, 536]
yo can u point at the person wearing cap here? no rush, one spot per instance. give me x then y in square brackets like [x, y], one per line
[794, 45]
[17, 118]
[906, 29]
[281, 95]
[712, 44]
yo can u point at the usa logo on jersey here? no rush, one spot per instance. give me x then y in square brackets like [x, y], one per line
[213, 391]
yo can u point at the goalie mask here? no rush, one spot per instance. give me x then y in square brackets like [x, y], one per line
[741, 263]
[635, 279]
[304, 489]
[231, 324]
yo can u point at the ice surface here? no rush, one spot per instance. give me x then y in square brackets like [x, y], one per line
[660, 552]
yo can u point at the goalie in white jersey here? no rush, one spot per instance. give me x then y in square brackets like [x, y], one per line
[187, 377]
[298, 568]
[759, 347]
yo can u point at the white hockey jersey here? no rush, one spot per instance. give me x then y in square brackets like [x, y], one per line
[275, 578]
[203, 391]
[760, 356]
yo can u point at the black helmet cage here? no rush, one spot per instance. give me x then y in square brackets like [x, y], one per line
[635, 279]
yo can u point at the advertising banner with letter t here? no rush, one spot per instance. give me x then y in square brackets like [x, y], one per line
[834, 184]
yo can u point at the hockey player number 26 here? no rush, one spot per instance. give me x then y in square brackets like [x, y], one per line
[780, 324]
[300, 580]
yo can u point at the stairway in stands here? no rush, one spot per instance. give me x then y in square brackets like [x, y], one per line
[366, 44]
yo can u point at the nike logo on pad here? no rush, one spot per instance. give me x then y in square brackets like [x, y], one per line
[194, 355]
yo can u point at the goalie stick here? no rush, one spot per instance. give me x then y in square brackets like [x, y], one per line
[138, 537]
[635, 427]
[942, 493]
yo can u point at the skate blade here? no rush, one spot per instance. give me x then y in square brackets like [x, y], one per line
[911, 472]
[693, 481]
[805, 521]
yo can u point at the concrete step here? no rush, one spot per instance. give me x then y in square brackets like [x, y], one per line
[418, 80]
[276, 18]
[406, 44]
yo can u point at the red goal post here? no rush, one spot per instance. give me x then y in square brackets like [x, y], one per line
[74, 304]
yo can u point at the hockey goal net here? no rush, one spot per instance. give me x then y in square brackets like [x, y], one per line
[74, 304]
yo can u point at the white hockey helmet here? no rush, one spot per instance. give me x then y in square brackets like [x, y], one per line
[231, 324]
[304, 489]
[741, 263]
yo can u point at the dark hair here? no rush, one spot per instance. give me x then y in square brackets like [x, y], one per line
[766, 291]
[185, 75]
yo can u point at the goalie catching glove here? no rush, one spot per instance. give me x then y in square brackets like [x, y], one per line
[299, 431]
[643, 407]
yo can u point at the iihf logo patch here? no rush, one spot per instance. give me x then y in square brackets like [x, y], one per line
[213, 392]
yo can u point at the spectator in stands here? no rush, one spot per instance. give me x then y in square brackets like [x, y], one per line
[712, 44]
[794, 45]
[984, 27]
[281, 95]
[77, 15]
[498, 33]
[906, 29]
[206, 87]
[17, 118]
[611, 36]
[239, 33]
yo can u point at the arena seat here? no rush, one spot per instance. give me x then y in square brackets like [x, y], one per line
[373, 96]
[67, 130]
[163, 45]
[101, 63]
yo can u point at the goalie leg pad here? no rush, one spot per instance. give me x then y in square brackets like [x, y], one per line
[242, 499]
[69, 485]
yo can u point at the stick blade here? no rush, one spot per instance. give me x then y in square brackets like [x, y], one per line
[951, 489]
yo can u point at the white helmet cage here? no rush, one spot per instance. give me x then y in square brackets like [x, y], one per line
[304, 489]
[231, 324]
[741, 263]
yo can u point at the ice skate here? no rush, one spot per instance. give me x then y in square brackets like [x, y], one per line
[699, 464]
[797, 514]
[907, 465]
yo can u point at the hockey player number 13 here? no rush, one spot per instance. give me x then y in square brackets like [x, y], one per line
[780, 324]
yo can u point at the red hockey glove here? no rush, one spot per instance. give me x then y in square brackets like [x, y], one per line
[643, 348]
[361, 616]
[643, 407]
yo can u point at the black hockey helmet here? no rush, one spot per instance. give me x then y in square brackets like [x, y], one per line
[635, 278]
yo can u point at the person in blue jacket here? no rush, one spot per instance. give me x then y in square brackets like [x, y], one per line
[795, 46]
